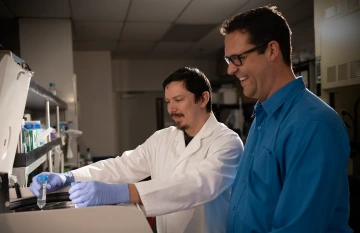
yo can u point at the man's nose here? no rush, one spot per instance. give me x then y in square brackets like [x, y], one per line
[171, 107]
[232, 69]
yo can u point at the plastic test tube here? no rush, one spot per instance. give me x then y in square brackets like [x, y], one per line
[75, 183]
[41, 200]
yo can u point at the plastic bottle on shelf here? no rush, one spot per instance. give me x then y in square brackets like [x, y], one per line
[88, 158]
[52, 88]
[24, 147]
[33, 129]
[82, 160]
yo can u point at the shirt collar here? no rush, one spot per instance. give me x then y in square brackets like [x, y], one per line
[281, 96]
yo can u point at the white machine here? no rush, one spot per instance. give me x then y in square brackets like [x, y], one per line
[59, 215]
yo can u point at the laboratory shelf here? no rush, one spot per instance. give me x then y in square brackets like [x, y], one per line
[37, 96]
[26, 159]
[25, 163]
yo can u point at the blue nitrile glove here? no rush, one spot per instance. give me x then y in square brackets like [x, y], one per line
[56, 181]
[94, 193]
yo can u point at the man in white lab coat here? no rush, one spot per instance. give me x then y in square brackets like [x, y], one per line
[192, 166]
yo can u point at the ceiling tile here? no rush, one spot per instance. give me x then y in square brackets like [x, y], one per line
[40, 8]
[94, 45]
[104, 10]
[159, 11]
[187, 33]
[97, 25]
[97, 30]
[209, 11]
[144, 31]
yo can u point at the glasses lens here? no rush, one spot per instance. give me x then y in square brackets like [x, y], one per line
[227, 60]
[236, 60]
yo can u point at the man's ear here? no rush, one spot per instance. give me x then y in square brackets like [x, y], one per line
[205, 97]
[274, 50]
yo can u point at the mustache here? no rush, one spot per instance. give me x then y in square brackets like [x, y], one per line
[176, 115]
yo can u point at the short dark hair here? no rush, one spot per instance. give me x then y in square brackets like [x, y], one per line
[194, 81]
[263, 24]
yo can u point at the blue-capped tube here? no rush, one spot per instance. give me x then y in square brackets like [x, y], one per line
[41, 200]
[75, 183]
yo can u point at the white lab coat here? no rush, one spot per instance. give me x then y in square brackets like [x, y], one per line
[190, 187]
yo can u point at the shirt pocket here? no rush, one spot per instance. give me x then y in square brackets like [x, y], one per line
[264, 168]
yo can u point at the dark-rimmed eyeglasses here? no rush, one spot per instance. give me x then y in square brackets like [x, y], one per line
[236, 58]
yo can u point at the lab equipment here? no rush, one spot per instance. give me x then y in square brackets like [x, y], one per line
[41, 199]
[14, 85]
[33, 130]
[88, 159]
[73, 133]
[227, 94]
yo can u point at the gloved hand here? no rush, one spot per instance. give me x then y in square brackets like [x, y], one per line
[56, 181]
[94, 193]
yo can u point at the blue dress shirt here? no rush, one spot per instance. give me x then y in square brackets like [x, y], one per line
[292, 175]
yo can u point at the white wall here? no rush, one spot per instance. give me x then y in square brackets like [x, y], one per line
[148, 75]
[46, 45]
[96, 103]
[137, 116]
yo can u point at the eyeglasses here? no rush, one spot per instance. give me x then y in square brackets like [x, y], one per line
[236, 58]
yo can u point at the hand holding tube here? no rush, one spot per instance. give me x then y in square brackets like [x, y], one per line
[55, 182]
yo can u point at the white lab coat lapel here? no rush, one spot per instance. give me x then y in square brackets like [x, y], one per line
[180, 142]
[195, 143]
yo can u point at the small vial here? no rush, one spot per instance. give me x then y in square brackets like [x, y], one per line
[75, 183]
[41, 200]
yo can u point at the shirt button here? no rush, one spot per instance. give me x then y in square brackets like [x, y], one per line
[243, 180]
[233, 208]
[252, 154]
[259, 127]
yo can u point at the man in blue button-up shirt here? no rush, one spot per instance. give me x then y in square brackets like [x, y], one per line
[292, 175]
